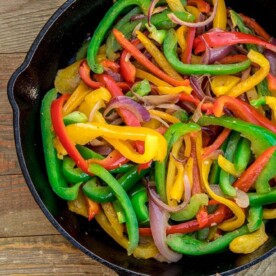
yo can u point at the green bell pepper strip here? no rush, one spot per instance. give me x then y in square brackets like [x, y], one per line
[255, 218]
[104, 26]
[121, 195]
[170, 51]
[104, 193]
[225, 179]
[111, 41]
[260, 138]
[119, 211]
[72, 174]
[186, 244]
[53, 164]
[256, 199]
[215, 168]
[75, 117]
[160, 21]
[237, 21]
[139, 198]
[262, 88]
[173, 133]
[243, 155]
[190, 211]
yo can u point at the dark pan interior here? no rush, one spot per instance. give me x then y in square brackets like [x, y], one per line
[54, 48]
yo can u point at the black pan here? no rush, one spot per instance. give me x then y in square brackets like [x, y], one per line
[54, 48]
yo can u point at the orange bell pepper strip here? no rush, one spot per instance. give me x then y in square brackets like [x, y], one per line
[144, 60]
[271, 82]
[255, 26]
[247, 179]
[202, 6]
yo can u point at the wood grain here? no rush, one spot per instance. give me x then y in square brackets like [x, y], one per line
[29, 244]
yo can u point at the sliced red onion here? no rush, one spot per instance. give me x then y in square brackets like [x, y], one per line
[137, 17]
[151, 9]
[271, 57]
[137, 28]
[212, 55]
[129, 104]
[116, 76]
[158, 224]
[169, 106]
[242, 199]
[96, 107]
[217, 190]
[178, 21]
[178, 208]
[201, 30]
[196, 84]
[157, 99]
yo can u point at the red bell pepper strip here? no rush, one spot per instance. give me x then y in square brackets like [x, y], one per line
[114, 160]
[192, 99]
[111, 65]
[84, 72]
[129, 118]
[243, 111]
[233, 59]
[136, 53]
[191, 226]
[127, 69]
[187, 54]
[219, 39]
[217, 143]
[203, 6]
[249, 176]
[255, 26]
[59, 128]
[271, 82]
[202, 217]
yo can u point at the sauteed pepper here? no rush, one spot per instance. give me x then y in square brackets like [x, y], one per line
[166, 129]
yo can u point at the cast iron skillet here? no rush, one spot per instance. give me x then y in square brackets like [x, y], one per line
[54, 48]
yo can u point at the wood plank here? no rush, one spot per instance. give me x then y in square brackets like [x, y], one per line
[20, 215]
[21, 21]
[46, 255]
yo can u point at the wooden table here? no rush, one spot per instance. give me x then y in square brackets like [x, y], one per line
[29, 244]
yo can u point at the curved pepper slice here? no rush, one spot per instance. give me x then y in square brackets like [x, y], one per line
[233, 223]
[255, 79]
[220, 20]
[248, 243]
[170, 52]
[53, 164]
[155, 143]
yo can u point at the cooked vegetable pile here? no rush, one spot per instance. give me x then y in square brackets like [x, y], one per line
[164, 129]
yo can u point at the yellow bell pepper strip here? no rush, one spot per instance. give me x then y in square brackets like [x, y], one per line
[177, 190]
[269, 213]
[158, 56]
[255, 79]
[111, 215]
[68, 79]
[137, 54]
[140, 74]
[165, 90]
[142, 251]
[227, 166]
[221, 85]
[171, 173]
[175, 5]
[180, 33]
[163, 115]
[248, 243]
[230, 224]
[271, 102]
[188, 145]
[155, 143]
[220, 20]
[76, 98]
[78, 205]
